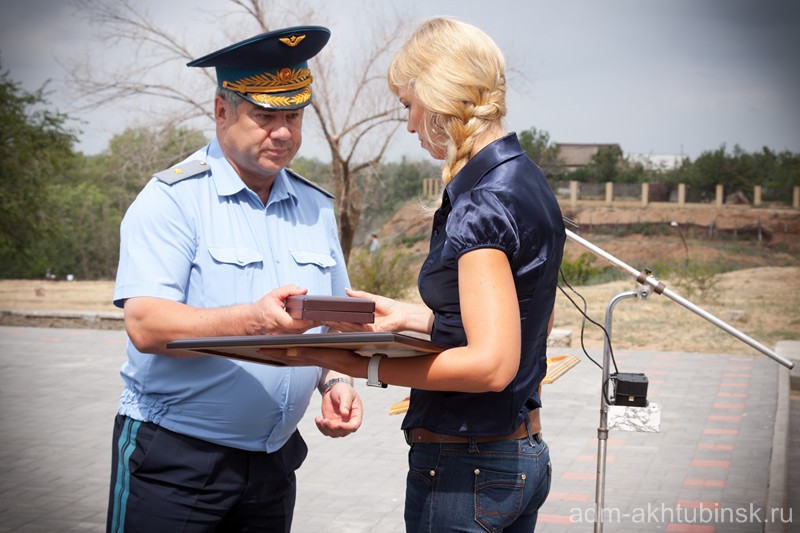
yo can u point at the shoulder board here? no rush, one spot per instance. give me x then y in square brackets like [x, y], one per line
[298, 177]
[181, 172]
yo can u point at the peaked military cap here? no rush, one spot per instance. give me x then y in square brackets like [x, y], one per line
[271, 69]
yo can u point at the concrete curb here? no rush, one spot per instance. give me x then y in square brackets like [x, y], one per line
[777, 492]
[49, 318]
[777, 496]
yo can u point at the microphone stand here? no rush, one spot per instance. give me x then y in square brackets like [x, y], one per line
[657, 287]
[648, 284]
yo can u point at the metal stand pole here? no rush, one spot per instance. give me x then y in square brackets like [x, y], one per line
[659, 288]
[649, 284]
[602, 429]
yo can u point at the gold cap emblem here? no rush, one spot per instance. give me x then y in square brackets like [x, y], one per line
[293, 40]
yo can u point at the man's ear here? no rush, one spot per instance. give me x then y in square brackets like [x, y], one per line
[221, 110]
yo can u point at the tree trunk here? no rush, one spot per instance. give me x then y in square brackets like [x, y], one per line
[348, 205]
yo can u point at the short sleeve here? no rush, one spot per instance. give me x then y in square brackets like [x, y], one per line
[479, 219]
[156, 248]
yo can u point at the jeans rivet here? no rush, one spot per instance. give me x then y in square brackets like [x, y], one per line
[477, 471]
[433, 473]
[523, 477]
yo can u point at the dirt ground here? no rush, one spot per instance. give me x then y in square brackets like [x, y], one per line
[763, 303]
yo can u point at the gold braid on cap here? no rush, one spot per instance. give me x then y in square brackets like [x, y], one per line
[282, 101]
[287, 79]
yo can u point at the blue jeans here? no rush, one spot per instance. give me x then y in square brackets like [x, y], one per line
[495, 486]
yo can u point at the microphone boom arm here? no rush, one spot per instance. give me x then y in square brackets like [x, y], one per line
[658, 287]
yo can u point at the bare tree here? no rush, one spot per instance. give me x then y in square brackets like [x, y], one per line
[358, 124]
[355, 112]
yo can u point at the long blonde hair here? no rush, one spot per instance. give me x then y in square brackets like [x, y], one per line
[457, 73]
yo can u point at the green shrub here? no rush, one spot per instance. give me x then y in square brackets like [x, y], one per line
[581, 271]
[699, 279]
[384, 272]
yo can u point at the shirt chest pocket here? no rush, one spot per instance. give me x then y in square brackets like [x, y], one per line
[229, 275]
[309, 257]
[314, 270]
[235, 256]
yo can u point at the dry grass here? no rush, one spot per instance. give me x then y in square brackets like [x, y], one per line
[763, 303]
[57, 295]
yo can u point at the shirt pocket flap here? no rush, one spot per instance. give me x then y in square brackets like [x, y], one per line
[307, 257]
[236, 256]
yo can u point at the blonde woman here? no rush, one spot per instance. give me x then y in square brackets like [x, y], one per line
[477, 460]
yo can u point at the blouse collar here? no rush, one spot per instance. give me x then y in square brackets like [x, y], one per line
[490, 156]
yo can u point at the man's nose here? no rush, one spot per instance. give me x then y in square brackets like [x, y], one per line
[281, 129]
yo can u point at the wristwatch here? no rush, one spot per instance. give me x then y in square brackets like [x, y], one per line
[331, 382]
[372, 371]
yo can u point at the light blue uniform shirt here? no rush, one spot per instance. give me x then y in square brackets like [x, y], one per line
[208, 241]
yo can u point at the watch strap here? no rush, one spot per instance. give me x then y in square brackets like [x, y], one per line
[331, 382]
[372, 371]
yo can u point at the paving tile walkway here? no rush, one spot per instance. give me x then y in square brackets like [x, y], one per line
[707, 470]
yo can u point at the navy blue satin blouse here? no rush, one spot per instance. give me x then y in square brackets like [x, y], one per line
[501, 200]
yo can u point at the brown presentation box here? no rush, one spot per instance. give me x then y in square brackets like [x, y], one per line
[331, 309]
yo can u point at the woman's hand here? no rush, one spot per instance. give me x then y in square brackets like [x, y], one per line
[393, 315]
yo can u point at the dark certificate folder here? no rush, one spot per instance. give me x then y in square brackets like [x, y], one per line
[246, 348]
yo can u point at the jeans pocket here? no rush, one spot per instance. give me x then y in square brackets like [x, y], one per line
[498, 498]
[422, 464]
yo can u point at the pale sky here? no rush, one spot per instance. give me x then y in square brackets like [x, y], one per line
[655, 76]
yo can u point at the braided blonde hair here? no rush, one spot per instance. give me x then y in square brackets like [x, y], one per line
[457, 73]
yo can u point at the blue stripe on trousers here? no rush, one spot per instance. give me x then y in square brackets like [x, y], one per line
[125, 448]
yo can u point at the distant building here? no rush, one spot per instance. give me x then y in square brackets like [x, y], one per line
[658, 162]
[571, 157]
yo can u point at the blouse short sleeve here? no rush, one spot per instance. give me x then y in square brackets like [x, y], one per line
[479, 219]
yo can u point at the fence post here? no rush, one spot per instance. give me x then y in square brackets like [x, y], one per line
[430, 187]
[720, 192]
[757, 198]
[681, 194]
[645, 194]
[796, 197]
[573, 194]
[609, 193]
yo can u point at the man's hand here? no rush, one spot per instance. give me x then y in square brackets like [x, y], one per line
[341, 411]
[272, 317]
